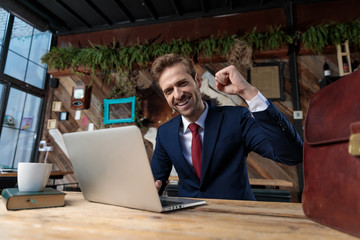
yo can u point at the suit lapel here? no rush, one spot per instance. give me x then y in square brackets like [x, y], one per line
[212, 128]
[175, 146]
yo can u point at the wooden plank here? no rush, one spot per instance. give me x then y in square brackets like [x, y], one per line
[271, 183]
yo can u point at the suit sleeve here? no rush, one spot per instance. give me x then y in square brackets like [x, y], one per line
[161, 164]
[274, 137]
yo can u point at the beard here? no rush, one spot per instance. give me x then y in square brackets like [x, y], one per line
[192, 109]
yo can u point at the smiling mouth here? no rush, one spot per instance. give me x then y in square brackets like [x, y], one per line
[183, 102]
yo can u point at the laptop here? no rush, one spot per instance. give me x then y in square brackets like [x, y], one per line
[112, 167]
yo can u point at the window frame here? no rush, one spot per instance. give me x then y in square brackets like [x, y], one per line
[11, 82]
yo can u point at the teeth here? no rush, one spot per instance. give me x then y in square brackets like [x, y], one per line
[183, 103]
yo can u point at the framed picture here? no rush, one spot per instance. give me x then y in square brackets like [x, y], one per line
[268, 78]
[120, 110]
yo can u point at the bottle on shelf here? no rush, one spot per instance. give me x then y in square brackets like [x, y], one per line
[345, 64]
[326, 68]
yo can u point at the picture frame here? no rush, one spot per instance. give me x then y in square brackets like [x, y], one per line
[268, 79]
[120, 110]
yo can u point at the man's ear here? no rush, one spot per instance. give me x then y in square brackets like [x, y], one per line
[198, 80]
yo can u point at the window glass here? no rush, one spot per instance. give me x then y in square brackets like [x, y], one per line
[22, 109]
[39, 46]
[8, 142]
[14, 109]
[35, 75]
[15, 66]
[23, 154]
[19, 130]
[21, 38]
[3, 23]
[30, 117]
[1, 95]
[10, 129]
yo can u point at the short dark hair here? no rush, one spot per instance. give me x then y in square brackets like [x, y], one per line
[169, 60]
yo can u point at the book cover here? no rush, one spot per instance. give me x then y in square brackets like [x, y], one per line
[16, 200]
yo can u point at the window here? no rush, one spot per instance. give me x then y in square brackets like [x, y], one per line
[26, 47]
[3, 23]
[22, 89]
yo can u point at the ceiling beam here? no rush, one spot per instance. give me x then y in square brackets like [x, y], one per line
[203, 6]
[178, 8]
[151, 9]
[72, 12]
[45, 13]
[125, 11]
[99, 12]
[24, 13]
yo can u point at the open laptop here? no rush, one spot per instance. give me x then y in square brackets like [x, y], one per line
[112, 167]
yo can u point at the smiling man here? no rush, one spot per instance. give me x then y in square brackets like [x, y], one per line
[208, 145]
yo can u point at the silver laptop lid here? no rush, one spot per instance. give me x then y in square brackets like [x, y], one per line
[112, 167]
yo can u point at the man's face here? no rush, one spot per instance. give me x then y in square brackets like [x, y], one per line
[182, 91]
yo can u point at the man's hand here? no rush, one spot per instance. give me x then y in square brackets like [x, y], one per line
[158, 184]
[229, 80]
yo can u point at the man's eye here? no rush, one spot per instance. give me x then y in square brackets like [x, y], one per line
[182, 84]
[168, 91]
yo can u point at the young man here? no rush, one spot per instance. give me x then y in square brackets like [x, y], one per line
[211, 160]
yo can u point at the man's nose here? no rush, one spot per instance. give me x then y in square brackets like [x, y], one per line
[177, 93]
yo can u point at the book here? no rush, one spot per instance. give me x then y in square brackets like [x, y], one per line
[16, 200]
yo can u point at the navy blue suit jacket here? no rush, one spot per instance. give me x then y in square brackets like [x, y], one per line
[230, 134]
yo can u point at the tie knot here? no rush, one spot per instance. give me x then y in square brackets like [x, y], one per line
[193, 127]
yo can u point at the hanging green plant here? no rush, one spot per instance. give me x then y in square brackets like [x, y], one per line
[122, 58]
[315, 38]
[354, 33]
[207, 47]
[274, 38]
[60, 58]
[225, 44]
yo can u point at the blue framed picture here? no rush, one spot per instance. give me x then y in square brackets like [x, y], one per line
[120, 110]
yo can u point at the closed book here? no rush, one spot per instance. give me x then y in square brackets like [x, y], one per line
[16, 200]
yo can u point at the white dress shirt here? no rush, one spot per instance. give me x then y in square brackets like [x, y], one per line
[257, 104]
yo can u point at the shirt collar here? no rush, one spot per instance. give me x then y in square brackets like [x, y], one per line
[200, 121]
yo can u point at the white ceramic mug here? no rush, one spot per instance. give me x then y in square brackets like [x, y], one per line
[32, 177]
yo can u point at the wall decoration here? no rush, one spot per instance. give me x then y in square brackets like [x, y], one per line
[119, 110]
[56, 106]
[80, 98]
[268, 78]
[63, 116]
[26, 123]
[52, 124]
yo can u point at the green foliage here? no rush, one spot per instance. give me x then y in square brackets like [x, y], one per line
[354, 33]
[274, 38]
[317, 37]
[60, 58]
[122, 58]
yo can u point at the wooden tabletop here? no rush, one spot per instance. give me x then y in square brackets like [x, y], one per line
[218, 219]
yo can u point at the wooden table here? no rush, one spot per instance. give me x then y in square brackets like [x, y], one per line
[219, 219]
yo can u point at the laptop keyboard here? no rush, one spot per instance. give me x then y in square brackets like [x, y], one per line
[166, 203]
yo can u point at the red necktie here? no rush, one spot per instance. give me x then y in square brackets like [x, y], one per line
[196, 148]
